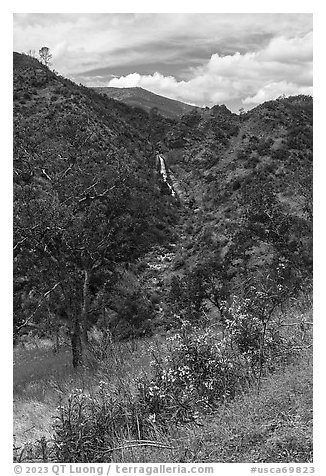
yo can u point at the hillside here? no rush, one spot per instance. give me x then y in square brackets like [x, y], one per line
[248, 184]
[162, 277]
[86, 195]
[243, 183]
[139, 97]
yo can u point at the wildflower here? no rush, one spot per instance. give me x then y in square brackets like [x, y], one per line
[152, 418]
[102, 385]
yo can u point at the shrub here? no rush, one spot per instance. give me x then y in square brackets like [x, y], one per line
[254, 328]
[236, 185]
[89, 428]
[264, 146]
[243, 154]
[279, 154]
[198, 373]
[134, 314]
[252, 162]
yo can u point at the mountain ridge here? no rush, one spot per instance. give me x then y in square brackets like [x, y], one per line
[171, 259]
[244, 182]
[140, 97]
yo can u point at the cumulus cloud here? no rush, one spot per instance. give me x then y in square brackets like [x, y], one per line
[284, 66]
[284, 49]
[274, 90]
[204, 59]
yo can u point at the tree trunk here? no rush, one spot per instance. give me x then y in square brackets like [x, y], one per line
[85, 307]
[261, 355]
[56, 345]
[76, 343]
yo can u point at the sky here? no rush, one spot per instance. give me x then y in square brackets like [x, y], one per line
[240, 60]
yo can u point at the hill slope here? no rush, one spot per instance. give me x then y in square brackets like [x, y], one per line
[139, 97]
[247, 185]
[87, 203]
[244, 181]
[103, 252]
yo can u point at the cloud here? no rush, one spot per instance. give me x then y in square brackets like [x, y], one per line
[197, 58]
[284, 66]
[274, 90]
[285, 50]
[101, 38]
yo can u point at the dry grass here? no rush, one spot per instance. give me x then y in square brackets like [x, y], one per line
[275, 426]
[32, 420]
[272, 426]
[42, 378]
[35, 366]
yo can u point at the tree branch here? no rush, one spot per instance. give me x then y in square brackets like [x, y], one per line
[135, 445]
[46, 175]
[27, 321]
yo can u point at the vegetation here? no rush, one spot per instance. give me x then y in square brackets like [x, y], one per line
[150, 102]
[198, 401]
[178, 313]
[84, 206]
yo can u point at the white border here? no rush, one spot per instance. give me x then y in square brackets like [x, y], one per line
[319, 212]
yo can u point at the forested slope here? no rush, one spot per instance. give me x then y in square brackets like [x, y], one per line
[89, 203]
[86, 201]
[173, 259]
[247, 183]
[147, 100]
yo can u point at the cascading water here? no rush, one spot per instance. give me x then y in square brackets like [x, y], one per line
[165, 175]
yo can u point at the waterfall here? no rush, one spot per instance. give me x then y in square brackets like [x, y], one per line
[165, 175]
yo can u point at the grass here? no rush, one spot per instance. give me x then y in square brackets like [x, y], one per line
[42, 378]
[35, 365]
[272, 426]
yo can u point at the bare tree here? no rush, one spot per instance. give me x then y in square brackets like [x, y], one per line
[45, 55]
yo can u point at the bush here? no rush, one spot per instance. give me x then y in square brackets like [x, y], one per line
[134, 314]
[89, 428]
[279, 154]
[243, 154]
[236, 185]
[252, 162]
[264, 146]
[253, 327]
[201, 370]
[198, 373]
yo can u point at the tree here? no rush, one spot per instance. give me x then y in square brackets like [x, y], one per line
[72, 230]
[187, 295]
[242, 112]
[267, 223]
[45, 56]
[79, 216]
